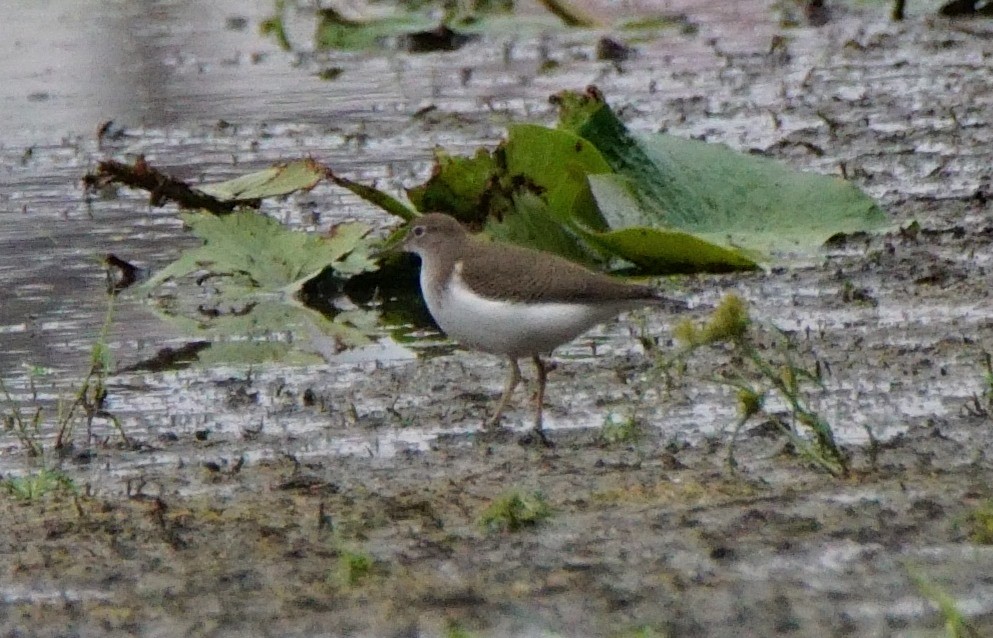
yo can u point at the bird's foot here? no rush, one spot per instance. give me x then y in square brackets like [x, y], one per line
[492, 423]
[535, 437]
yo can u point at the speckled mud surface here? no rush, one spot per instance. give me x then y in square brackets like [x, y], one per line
[346, 499]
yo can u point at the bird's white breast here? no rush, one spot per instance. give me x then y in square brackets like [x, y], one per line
[515, 329]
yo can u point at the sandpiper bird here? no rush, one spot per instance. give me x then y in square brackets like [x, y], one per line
[513, 301]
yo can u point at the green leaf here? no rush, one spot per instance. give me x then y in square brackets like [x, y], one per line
[530, 191]
[661, 250]
[415, 26]
[273, 26]
[260, 253]
[336, 32]
[272, 182]
[556, 163]
[669, 251]
[718, 194]
[533, 225]
[457, 185]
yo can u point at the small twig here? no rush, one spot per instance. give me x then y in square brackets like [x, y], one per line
[162, 188]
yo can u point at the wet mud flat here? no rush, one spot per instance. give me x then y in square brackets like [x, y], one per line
[353, 499]
[650, 538]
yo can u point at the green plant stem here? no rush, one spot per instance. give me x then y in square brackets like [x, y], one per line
[27, 438]
[94, 380]
[732, 463]
[835, 464]
[956, 625]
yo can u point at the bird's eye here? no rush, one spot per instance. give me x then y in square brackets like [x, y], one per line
[418, 231]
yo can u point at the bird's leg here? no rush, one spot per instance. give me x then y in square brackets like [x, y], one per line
[539, 398]
[538, 435]
[513, 378]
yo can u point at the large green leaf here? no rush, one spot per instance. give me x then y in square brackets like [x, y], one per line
[658, 250]
[714, 192]
[240, 287]
[670, 251]
[265, 255]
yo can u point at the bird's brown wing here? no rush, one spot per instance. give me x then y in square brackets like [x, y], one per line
[522, 274]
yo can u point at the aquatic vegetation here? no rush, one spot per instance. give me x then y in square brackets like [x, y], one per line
[353, 567]
[617, 429]
[27, 419]
[978, 523]
[34, 486]
[514, 511]
[758, 373]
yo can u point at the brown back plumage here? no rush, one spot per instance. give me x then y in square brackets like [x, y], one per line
[506, 271]
[522, 274]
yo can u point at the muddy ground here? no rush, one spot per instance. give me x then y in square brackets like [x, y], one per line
[646, 539]
[349, 498]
